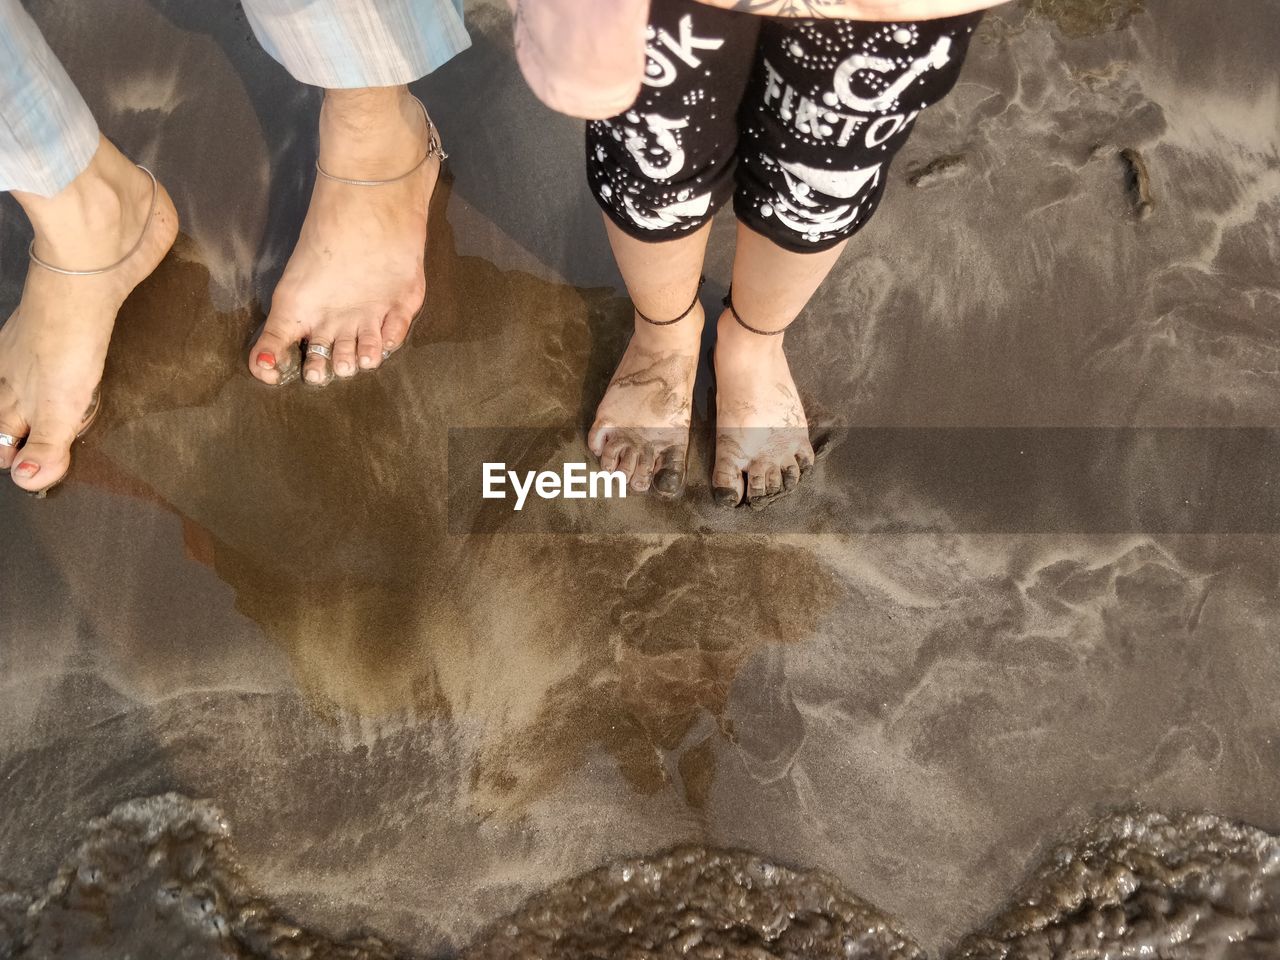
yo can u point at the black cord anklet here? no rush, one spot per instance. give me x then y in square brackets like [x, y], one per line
[667, 323]
[728, 302]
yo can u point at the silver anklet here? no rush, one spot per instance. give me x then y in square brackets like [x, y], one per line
[155, 194]
[433, 150]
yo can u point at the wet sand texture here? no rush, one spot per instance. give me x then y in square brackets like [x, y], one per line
[157, 877]
[1146, 885]
[255, 597]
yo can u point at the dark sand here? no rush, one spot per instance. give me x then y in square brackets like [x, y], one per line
[255, 597]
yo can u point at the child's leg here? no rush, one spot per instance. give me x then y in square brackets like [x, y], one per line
[829, 104]
[659, 171]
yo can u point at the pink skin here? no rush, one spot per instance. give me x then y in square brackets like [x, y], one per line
[54, 346]
[356, 278]
[762, 435]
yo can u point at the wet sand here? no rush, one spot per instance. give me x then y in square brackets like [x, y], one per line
[257, 598]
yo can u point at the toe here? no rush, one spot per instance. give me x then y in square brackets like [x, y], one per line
[344, 357]
[46, 456]
[773, 480]
[790, 475]
[317, 370]
[669, 476]
[614, 447]
[628, 460]
[597, 437]
[395, 327]
[273, 358]
[804, 458]
[370, 347]
[643, 474]
[726, 482]
[14, 430]
[757, 481]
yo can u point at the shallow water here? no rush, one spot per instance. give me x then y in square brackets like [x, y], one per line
[909, 680]
[158, 877]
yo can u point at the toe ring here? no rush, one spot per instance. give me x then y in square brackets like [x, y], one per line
[9, 440]
[319, 350]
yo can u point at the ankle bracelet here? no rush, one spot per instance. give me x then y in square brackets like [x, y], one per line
[689, 310]
[433, 150]
[728, 302]
[155, 195]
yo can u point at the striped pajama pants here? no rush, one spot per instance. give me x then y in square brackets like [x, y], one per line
[48, 136]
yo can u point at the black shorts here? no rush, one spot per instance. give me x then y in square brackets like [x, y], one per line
[798, 119]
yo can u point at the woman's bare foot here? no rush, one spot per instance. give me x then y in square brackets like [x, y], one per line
[355, 279]
[642, 424]
[761, 429]
[54, 346]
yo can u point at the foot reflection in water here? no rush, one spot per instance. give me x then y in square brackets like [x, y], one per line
[157, 877]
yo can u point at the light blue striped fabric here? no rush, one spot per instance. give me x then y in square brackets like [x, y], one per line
[359, 43]
[48, 136]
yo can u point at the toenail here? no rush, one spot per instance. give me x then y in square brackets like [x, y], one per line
[266, 359]
[313, 376]
[725, 496]
[27, 468]
[667, 481]
[366, 362]
[343, 367]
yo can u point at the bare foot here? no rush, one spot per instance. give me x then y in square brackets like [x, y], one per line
[54, 346]
[761, 431]
[642, 424]
[355, 279]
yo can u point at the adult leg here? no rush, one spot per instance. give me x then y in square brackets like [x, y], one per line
[659, 171]
[356, 278]
[89, 207]
[829, 104]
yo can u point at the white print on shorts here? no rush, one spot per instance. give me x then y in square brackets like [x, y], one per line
[574, 482]
[659, 70]
[937, 58]
[654, 141]
[664, 141]
[813, 219]
[670, 215]
[821, 121]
